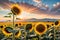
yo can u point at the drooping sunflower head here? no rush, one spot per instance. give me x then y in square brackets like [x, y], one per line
[16, 10]
[18, 34]
[29, 27]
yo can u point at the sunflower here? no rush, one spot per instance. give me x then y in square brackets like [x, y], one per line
[29, 27]
[16, 10]
[6, 32]
[57, 23]
[40, 28]
[17, 34]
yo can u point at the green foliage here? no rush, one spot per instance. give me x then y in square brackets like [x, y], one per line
[7, 16]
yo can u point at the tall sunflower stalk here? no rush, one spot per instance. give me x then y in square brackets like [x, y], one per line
[16, 11]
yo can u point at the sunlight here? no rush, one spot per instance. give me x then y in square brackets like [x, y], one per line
[26, 15]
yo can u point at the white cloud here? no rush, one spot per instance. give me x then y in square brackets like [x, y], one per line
[39, 4]
[54, 5]
[57, 5]
[37, 1]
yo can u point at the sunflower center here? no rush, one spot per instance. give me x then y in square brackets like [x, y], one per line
[28, 27]
[40, 28]
[8, 29]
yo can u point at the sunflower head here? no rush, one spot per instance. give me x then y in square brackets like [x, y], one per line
[40, 28]
[16, 10]
[7, 32]
[17, 34]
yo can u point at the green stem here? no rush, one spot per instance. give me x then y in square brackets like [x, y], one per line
[13, 27]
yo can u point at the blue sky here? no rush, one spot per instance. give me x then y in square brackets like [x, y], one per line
[48, 2]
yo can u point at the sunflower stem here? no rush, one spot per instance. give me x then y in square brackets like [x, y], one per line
[13, 38]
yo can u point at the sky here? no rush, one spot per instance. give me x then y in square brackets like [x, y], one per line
[38, 9]
[46, 2]
[50, 2]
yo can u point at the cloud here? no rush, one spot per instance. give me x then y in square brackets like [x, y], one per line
[37, 1]
[3, 1]
[56, 9]
[46, 7]
[40, 13]
[40, 5]
[4, 4]
[56, 6]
